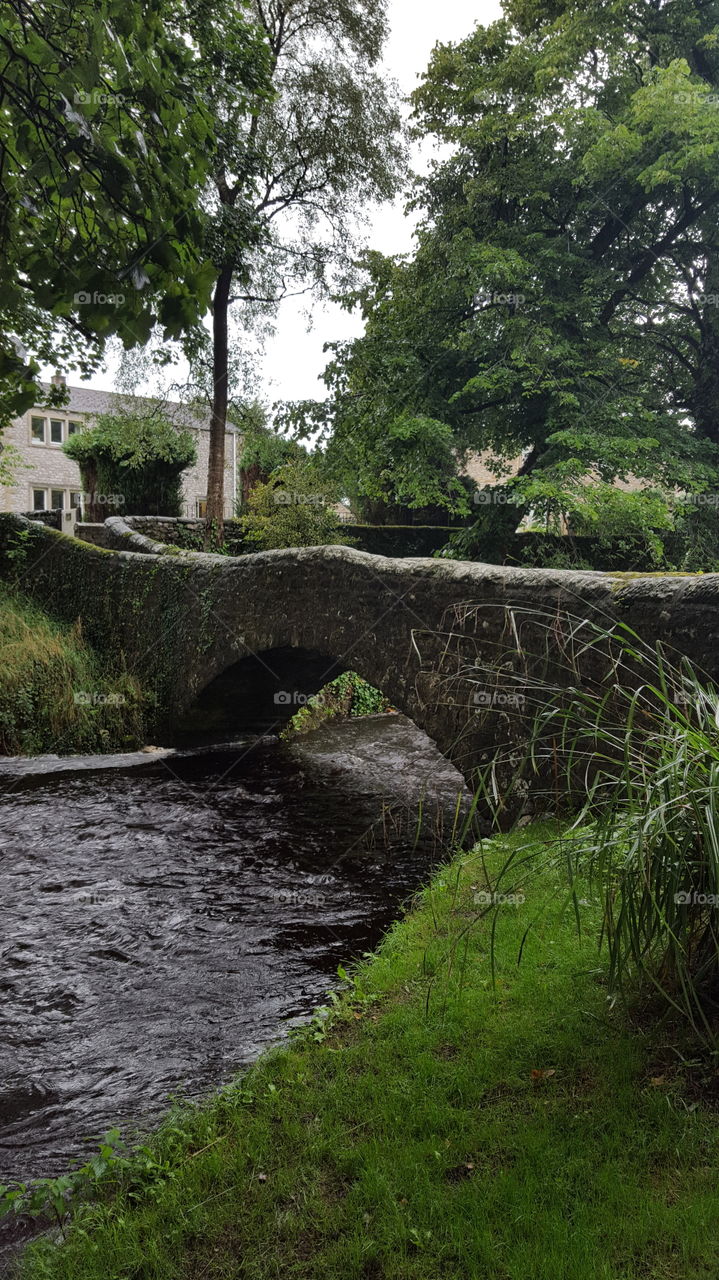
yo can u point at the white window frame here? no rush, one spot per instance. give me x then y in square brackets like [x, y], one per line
[47, 420]
[48, 490]
[40, 418]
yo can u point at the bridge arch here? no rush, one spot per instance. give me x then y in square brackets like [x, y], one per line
[422, 631]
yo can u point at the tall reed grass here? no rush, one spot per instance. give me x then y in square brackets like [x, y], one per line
[625, 739]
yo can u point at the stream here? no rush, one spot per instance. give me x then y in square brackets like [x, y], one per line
[164, 917]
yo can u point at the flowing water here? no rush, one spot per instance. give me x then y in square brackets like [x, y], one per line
[164, 918]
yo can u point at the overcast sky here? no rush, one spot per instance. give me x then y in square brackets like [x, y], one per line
[294, 358]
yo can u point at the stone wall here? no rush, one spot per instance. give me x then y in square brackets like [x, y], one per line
[165, 528]
[53, 519]
[467, 651]
[94, 533]
[187, 534]
[407, 541]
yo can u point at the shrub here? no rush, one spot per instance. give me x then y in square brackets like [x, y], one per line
[262, 452]
[294, 509]
[348, 695]
[640, 739]
[138, 456]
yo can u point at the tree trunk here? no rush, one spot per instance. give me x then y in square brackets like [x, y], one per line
[214, 530]
[705, 397]
[250, 478]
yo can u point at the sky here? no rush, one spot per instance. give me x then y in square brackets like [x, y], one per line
[294, 358]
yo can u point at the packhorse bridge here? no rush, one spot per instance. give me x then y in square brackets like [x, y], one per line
[236, 643]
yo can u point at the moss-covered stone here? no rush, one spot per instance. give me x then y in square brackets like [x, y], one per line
[451, 644]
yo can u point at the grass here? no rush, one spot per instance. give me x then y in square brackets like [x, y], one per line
[437, 1125]
[56, 694]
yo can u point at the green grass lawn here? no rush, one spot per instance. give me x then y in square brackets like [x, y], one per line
[438, 1129]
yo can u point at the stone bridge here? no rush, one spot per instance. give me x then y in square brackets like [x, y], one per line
[467, 651]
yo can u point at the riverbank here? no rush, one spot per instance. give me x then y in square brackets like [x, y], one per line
[434, 1127]
[56, 693]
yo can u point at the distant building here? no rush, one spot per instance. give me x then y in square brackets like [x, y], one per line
[46, 479]
[478, 467]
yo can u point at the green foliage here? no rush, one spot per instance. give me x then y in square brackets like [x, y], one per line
[266, 452]
[263, 451]
[697, 523]
[11, 461]
[294, 169]
[407, 464]
[634, 740]
[56, 1194]
[136, 454]
[106, 143]
[56, 694]
[561, 304]
[346, 696]
[294, 509]
[557, 500]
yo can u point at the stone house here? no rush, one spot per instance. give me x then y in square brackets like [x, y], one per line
[45, 479]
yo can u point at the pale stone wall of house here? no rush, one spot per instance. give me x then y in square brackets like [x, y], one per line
[194, 485]
[44, 466]
[38, 466]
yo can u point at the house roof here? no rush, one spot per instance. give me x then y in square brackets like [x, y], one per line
[85, 400]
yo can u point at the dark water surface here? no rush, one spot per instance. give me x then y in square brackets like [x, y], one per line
[160, 924]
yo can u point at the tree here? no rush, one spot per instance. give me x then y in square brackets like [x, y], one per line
[561, 302]
[293, 171]
[294, 509]
[133, 459]
[104, 147]
[262, 452]
[404, 467]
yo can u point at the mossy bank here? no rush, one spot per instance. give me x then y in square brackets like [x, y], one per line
[434, 1124]
[57, 694]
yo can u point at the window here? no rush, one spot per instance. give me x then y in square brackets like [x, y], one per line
[72, 427]
[75, 501]
[57, 499]
[37, 430]
[201, 508]
[38, 499]
[56, 431]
